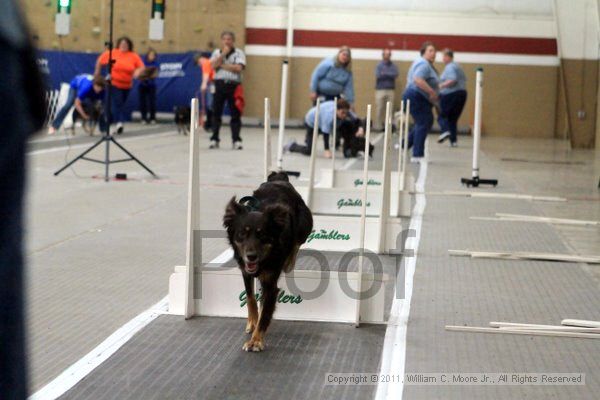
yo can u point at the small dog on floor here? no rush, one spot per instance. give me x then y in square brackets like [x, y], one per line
[265, 231]
[182, 119]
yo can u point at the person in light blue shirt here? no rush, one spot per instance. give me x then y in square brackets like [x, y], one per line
[333, 78]
[453, 96]
[422, 90]
[326, 115]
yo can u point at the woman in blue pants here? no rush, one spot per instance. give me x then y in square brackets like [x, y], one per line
[422, 91]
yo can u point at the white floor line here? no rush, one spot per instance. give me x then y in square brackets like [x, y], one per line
[84, 145]
[393, 354]
[78, 371]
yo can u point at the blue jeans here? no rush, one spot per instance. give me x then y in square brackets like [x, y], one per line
[451, 106]
[420, 109]
[62, 113]
[118, 98]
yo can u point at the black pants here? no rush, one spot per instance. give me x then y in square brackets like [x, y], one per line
[147, 101]
[307, 147]
[224, 91]
[451, 106]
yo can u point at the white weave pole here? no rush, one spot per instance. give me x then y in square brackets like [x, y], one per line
[282, 109]
[335, 100]
[475, 179]
[404, 149]
[313, 157]
[477, 123]
[267, 144]
[193, 212]
[384, 212]
[401, 147]
[363, 218]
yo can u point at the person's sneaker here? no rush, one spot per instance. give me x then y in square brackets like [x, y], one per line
[288, 146]
[144, 122]
[237, 145]
[51, 131]
[327, 153]
[213, 144]
[120, 128]
[153, 121]
[453, 144]
[360, 155]
[416, 160]
[443, 137]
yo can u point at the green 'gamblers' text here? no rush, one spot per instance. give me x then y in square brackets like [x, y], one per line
[371, 182]
[331, 235]
[351, 203]
[281, 298]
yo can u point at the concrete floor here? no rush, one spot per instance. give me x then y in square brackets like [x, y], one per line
[100, 253]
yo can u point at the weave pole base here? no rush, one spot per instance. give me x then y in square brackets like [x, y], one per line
[476, 181]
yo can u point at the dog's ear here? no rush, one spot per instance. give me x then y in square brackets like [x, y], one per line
[232, 211]
[278, 215]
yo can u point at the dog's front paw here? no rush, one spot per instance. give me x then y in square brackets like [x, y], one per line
[254, 345]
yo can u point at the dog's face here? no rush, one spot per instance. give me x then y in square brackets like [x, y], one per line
[253, 234]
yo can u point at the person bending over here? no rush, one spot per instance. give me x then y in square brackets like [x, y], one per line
[326, 115]
[333, 78]
[83, 92]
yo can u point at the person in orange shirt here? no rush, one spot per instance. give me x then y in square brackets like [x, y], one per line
[127, 66]
[207, 89]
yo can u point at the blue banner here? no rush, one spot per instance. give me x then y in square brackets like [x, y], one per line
[178, 81]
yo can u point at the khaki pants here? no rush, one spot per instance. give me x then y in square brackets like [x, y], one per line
[382, 96]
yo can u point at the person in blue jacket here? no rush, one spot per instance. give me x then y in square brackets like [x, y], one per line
[333, 78]
[422, 84]
[453, 96]
[327, 109]
[147, 88]
[84, 89]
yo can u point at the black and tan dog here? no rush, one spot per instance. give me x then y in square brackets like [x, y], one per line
[265, 231]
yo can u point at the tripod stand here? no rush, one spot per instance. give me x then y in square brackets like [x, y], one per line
[107, 137]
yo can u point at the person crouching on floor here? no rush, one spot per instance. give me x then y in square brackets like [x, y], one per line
[352, 131]
[326, 115]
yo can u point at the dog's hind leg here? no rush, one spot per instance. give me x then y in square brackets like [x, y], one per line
[268, 303]
[250, 304]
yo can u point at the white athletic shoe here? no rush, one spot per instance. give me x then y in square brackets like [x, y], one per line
[453, 144]
[417, 160]
[237, 145]
[443, 137]
[213, 144]
[120, 128]
[360, 155]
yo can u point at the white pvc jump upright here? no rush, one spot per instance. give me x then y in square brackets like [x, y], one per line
[193, 212]
[337, 191]
[218, 290]
[336, 229]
